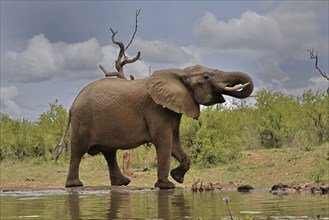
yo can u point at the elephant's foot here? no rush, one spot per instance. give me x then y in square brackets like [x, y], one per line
[164, 184]
[178, 174]
[73, 183]
[120, 181]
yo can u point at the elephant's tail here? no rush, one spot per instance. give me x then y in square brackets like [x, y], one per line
[61, 145]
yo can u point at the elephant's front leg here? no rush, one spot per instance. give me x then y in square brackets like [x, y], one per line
[179, 153]
[116, 177]
[163, 150]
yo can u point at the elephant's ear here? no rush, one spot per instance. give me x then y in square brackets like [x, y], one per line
[166, 88]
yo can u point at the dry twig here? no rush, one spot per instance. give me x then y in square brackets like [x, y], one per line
[135, 31]
[316, 57]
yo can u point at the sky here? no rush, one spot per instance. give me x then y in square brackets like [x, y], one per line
[51, 49]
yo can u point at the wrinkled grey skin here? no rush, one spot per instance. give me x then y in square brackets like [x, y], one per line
[111, 114]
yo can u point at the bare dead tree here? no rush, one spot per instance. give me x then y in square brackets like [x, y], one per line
[316, 57]
[122, 59]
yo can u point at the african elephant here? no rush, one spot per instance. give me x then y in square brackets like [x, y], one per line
[111, 114]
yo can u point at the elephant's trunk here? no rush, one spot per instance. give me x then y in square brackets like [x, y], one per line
[236, 78]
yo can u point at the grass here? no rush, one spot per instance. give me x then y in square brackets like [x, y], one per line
[260, 168]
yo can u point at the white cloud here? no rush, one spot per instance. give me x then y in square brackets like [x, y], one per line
[8, 104]
[279, 30]
[272, 41]
[251, 30]
[36, 63]
[43, 60]
[161, 51]
[79, 56]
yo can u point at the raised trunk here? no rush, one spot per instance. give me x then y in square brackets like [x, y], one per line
[236, 78]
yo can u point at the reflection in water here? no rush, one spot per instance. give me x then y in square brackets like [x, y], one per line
[172, 203]
[120, 204]
[164, 209]
[115, 201]
[74, 205]
[159, 204]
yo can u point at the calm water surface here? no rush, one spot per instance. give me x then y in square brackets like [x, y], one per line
[159, 204]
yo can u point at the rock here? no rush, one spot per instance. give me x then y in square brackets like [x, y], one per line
[245, 188]
[324, 189]
[217, 186]
[279, 188]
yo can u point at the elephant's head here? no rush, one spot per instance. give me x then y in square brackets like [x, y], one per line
[183, 90]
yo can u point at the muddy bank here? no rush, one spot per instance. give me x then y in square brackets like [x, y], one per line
[309, 188]
[275, 189]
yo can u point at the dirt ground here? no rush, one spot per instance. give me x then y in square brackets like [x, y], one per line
[279, 170]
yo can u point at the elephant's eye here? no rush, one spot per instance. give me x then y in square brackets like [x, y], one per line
[206, 76]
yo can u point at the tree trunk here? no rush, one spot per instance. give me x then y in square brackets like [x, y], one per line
[127, 162]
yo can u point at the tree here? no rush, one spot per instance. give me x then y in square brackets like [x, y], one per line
[51, 126]
[316, 112]
[214, 138]
[277, 118]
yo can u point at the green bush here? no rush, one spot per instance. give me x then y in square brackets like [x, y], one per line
[213, 138]
[21, 138]
[320, 172]
[275, 120]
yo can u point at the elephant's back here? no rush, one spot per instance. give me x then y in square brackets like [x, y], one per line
[109, 85]
[108, 89]
[107, 95]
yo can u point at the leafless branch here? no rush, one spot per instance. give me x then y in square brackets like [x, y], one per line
[136, 26]
[108, 73]
[316, 57]
[131, 60]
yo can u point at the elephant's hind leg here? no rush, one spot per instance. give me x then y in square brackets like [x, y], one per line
[79, 146]
[73, 174]
[116, 177]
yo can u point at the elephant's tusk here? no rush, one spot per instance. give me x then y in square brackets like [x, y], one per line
[229, 89]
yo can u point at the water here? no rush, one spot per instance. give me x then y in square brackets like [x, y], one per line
[159, 204]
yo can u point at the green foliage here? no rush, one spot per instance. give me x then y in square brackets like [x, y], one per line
[213, 139]
[320, 168]
[315, 122]
[22, 138]
[51, 125]
[277, 116]
[276, 120]
[292, 121]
